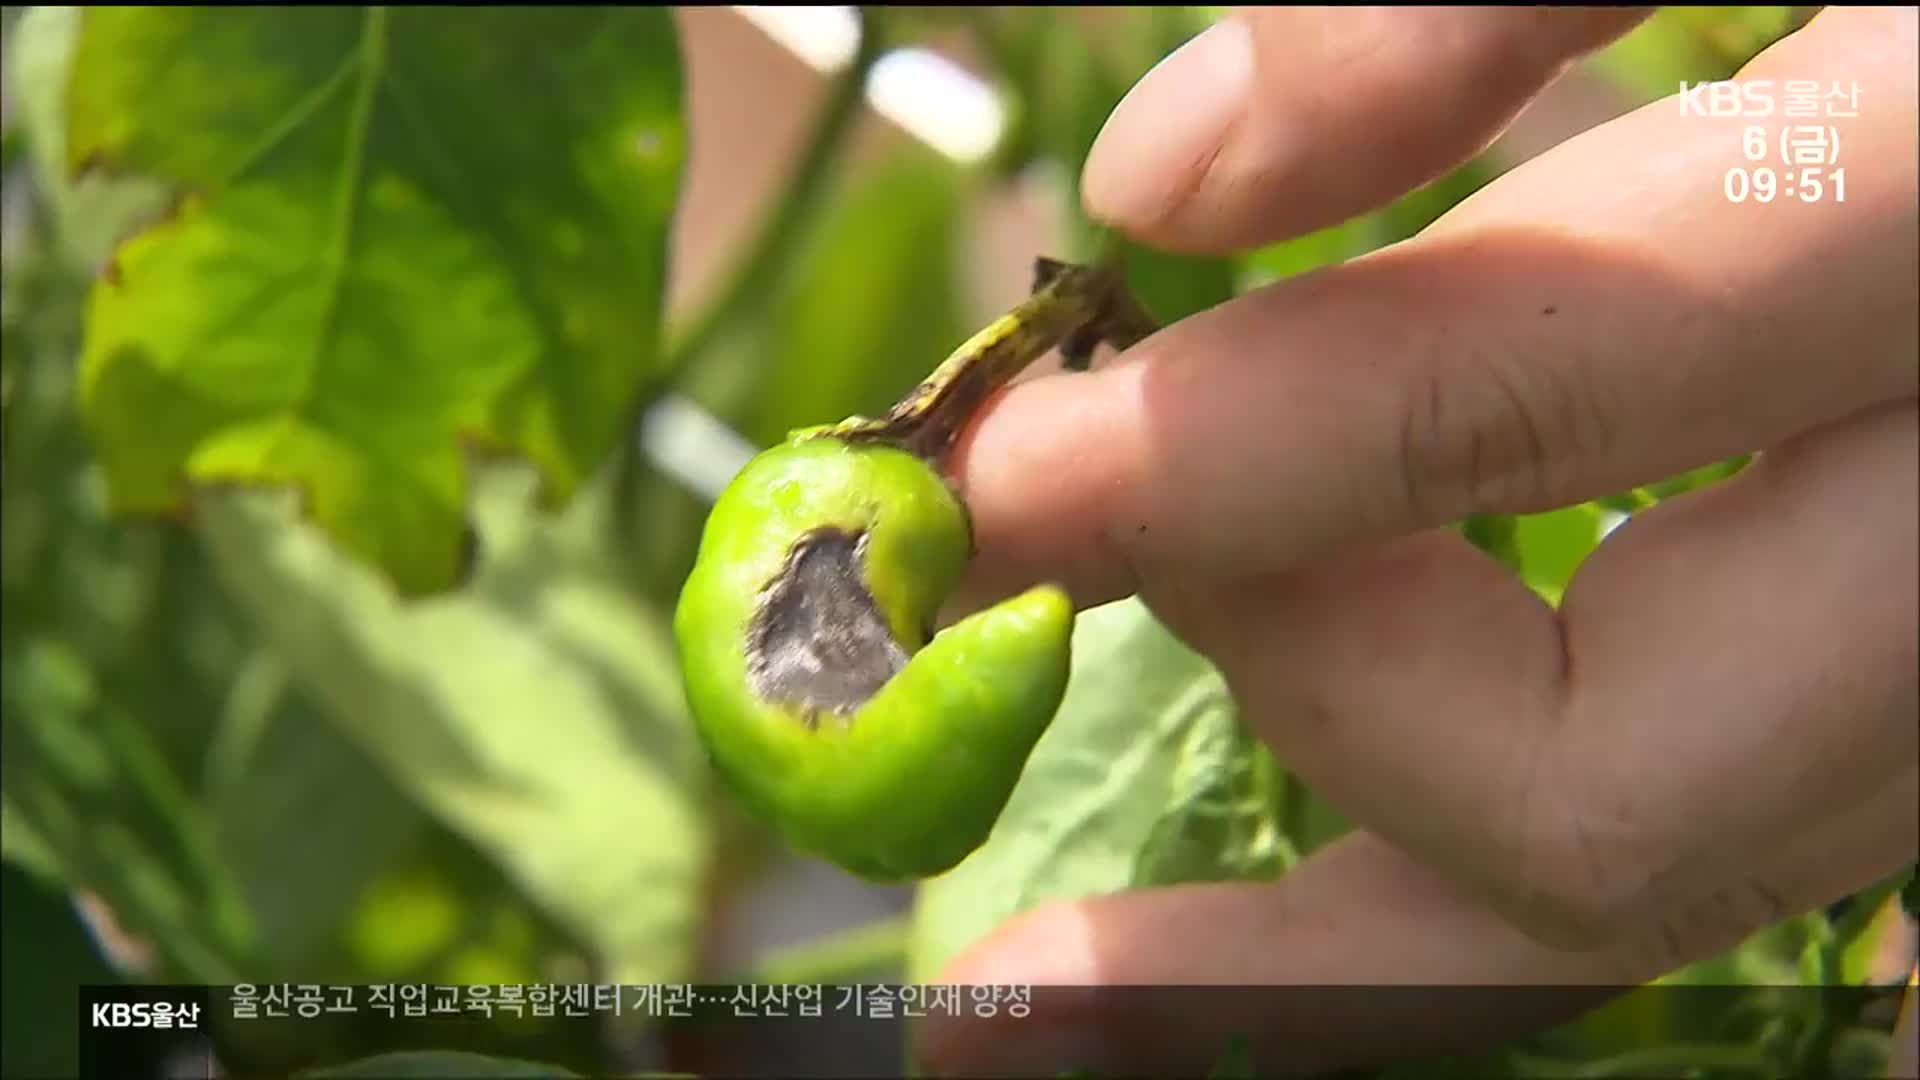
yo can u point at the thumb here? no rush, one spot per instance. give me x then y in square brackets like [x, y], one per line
[1279, 121]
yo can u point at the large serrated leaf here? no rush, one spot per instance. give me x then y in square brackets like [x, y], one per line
[1143, 778]
[399, 230]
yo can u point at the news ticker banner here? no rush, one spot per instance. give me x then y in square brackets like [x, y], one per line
[271, 1029]
[131, 1032]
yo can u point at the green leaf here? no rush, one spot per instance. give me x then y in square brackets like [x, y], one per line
[1695, 479]
[154, 761]
[1641, 498]
[92, 212]
[435, 1065]
[1222, 818]
[22, 846]
[1496, 534]
[1406, 216]
[1665, 1029]
[1310, 252]
[93, 783]
[377, 890]
[1172, 287]
[398, 230]
[1544, 549]
[1553, 545]
[1143, 778]
[538, 712]
[100, 704]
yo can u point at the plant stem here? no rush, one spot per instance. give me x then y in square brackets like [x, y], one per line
[762, 263]
[757, 270]
[1073, 307]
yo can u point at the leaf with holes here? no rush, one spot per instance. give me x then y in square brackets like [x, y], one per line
[395, 230]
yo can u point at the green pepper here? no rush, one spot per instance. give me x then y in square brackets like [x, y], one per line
[825, 698]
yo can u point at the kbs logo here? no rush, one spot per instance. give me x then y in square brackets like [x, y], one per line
[1751, 98]
[145, 1014]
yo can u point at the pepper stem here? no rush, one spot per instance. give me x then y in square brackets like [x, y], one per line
[1074, 307]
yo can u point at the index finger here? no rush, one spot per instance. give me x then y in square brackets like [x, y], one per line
[1599, 318]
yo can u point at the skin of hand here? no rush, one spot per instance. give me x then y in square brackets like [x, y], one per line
[1716, 729]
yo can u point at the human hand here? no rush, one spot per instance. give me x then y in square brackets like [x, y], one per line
[1717, 728]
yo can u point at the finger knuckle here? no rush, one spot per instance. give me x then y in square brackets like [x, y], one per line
[1497, 432]
[1580, 879]
[1596, 867]
[1573, 898]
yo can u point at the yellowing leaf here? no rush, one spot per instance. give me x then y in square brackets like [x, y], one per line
[399, 231]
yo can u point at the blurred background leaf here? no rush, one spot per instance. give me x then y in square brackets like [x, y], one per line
[874, 303]
[1693, 44]
[49, 956]
[457, 698]
[91, 212]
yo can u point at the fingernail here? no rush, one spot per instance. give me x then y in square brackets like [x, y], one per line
[1157, 146]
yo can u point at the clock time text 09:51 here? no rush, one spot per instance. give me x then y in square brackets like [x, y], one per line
[1765, 184]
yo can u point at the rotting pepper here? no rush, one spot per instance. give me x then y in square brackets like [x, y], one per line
[824, 696]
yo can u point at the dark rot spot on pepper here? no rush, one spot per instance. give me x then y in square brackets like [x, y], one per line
[805, 628]
[817, 642]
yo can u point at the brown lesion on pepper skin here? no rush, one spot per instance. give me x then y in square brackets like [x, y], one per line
[818, 643]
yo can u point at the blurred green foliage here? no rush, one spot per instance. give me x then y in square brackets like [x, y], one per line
[423, 723]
